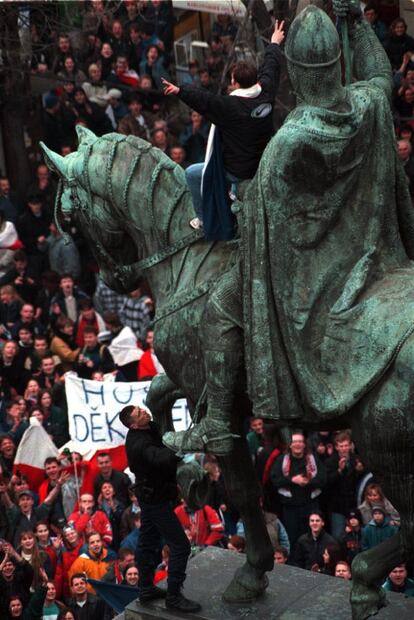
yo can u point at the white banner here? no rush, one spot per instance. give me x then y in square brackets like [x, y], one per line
[94, 406]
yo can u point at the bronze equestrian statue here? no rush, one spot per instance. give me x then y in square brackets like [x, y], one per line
[318, 287]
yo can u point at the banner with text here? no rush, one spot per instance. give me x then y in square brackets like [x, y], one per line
[94, 406]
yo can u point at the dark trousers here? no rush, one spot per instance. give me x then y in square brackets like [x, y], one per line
[159, 523]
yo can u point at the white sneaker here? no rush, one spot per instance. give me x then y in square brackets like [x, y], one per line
[196, 223]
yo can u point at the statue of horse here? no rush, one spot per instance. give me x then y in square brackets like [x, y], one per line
[132, 204]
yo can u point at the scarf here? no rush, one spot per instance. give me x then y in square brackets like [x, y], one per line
[311, 471]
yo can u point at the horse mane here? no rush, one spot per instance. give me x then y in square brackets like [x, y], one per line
[135, 176]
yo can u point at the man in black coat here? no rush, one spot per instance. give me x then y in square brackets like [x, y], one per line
[310, 547]
[155, 467]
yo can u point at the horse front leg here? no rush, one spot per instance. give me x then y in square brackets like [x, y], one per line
[250, 581]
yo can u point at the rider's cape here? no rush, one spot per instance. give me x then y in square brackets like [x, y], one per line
[328, 234]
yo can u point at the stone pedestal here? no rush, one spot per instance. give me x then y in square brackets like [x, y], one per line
[293, 594]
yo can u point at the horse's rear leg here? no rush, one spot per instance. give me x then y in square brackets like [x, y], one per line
[242, 485]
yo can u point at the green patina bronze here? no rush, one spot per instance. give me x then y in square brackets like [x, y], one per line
[316, 306]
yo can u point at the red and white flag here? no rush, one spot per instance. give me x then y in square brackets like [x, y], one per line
[34, 448]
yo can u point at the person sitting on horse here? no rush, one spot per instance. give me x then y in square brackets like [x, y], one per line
[242, 127]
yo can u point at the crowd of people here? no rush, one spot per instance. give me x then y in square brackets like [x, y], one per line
[56, 315]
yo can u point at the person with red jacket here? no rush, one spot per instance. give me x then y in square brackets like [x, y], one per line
[87, 519]
[72, 544]
[203, 526]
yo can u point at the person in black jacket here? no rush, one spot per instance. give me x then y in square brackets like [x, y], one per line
[155, 469]
[311, 546]
[244, 120]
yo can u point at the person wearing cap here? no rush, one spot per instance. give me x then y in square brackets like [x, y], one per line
[116, 109]
[378, 529]
[24, 516]
[353, 535]
[155, 468]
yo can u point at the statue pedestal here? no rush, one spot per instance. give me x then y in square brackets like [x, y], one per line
[293, 594]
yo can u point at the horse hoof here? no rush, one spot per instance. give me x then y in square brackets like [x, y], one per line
[366, 603]
[238, 592]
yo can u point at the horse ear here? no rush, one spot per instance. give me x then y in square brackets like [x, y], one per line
[85, 135]
[54, 161]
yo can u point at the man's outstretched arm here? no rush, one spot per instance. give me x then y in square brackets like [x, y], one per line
[370, 60]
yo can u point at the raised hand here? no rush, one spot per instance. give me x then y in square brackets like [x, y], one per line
[169, 87]
[278, 33]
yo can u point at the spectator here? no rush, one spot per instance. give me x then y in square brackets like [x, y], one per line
[281, 555]
[7, 454]
[27, 319]
[22, 276]
[90, 112]
[398, 581]
[311, 546]
[9, 242]
[255, 437]
[9, 202]
[131, 575]
[63, 255]
[106, 60]
[134, 48]
[40, 351]
[107, 473]
[51, 378]
[93, 562]
[88, 317]
[203, 527]
[11, 369]
[24, 516]
[378, 529]
[374, 496]
[37, 559]
[68, 553]
[44, 187]
[64, 49]
[343, 570]
[51, 607]
[55, 419]
[178, 155]
[138, 310]
[113, 509]
[52, 123]
[128, 516]
[153, 65]
[88, 519]
[371, 15]
[46, 544]
[343, 475]
[136, 123]
[86, 606]
[54, 473]
[94, 89]
[398, 42]
[115, 571]
[405, 155]
[298, 477]
[116, 108]
[33, 228]
[10, 306]
[149, 365]
[194, 138]
[63, 343]
[116, 40]
[122, 76]
[93, 356]
[67, 300]
[16, 576]
[160, 140]
[70, 71]
[353, 535]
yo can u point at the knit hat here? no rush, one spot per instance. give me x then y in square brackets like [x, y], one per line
[378, 508]
[354, 514]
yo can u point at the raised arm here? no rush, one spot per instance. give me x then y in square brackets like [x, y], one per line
[370, 60]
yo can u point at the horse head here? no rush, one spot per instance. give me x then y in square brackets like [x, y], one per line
[82, 196]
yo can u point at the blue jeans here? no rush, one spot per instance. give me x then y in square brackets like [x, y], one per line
[159, 524]
[193, 176]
